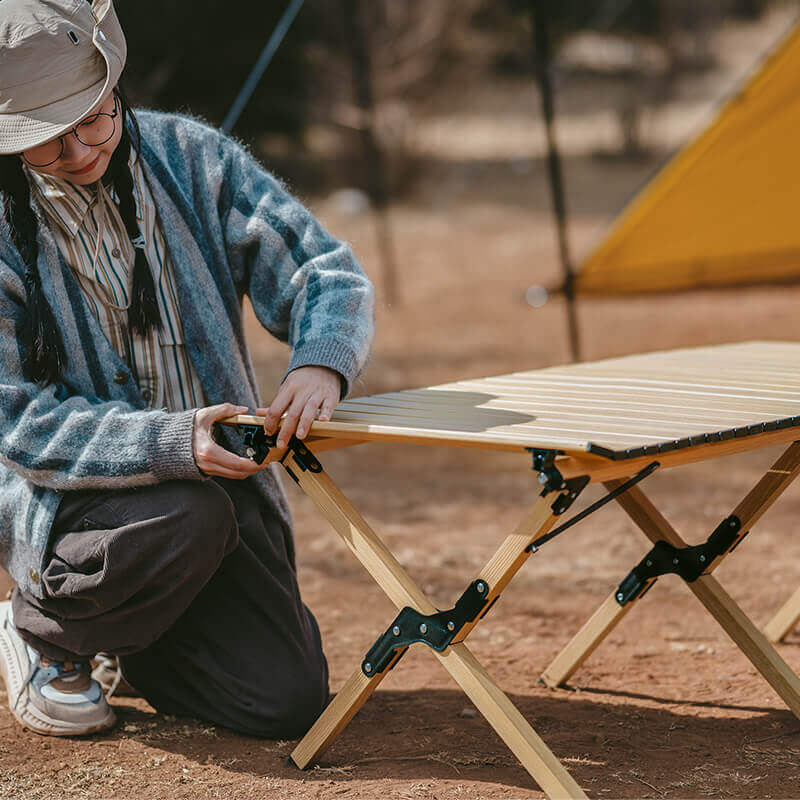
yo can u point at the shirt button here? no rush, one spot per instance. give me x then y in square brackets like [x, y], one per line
[86, 524]
[116, 253]
[34, 575]
[147, 395]
[121, 377]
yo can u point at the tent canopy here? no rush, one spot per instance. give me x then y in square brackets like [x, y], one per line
[725, 211]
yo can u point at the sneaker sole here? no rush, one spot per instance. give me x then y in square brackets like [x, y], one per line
[29, 716]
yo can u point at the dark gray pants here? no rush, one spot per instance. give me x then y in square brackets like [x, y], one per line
[192, 584]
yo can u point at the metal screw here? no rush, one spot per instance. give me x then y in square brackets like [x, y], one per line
[396, 630]
[451, 626]
[648, 563]
[367, 667]
[481, 587]
[732, 523]
[423, 628]
[542, 477]
[702, 559]
[620, 596]
[675, 561]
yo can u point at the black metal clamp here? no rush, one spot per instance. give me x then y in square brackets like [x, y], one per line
[688, 562]
[258, 445]
[544, 462]
[435, 630]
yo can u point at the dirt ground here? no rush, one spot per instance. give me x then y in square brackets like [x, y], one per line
[666, 708]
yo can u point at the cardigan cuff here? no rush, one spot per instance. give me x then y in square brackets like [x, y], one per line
[172, 449]
[335, 355]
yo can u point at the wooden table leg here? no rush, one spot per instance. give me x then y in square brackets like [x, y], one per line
[457, 659]
[785, 620]
[585, 641]
[335, 717]
[656, 528]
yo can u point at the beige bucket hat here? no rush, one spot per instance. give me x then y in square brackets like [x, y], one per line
[58, 60]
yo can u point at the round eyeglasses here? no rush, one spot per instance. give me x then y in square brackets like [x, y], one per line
[92, 131]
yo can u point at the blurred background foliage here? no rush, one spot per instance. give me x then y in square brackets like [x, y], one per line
[353, 78]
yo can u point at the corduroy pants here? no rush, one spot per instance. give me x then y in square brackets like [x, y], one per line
[193, 585]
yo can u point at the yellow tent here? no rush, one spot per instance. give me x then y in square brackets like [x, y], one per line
[725, 211]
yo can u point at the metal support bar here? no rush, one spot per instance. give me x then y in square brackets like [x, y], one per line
[565, 500]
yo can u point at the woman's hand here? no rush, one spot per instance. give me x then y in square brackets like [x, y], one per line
[210, 457]
[306, 391]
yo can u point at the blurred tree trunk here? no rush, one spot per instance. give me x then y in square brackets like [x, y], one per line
[376, 176]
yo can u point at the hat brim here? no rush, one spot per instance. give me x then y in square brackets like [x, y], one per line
[19, 132]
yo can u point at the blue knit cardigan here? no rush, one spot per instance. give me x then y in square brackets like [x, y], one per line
[232, 230]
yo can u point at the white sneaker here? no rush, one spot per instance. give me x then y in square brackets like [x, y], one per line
[56, 698]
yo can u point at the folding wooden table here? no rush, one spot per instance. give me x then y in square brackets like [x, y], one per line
[613, 421]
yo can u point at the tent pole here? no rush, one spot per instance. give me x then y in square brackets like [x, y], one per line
[249, 86]
[541, 41]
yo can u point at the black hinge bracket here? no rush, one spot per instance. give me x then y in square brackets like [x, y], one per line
[435, 630]
[687, 562]
[544, 462]
[257, 441]
[258, 445]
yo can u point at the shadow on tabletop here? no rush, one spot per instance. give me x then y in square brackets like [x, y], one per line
[437, 735]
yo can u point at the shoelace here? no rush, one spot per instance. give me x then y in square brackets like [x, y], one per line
[31, 672]
[110, 663]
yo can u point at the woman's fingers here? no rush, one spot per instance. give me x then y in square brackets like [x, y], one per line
[308, 414]
[326, 409]
[211, 458]
[276, 409]
[305, 392]
[289, 424]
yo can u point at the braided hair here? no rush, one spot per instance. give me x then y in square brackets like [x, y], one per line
[44, 353]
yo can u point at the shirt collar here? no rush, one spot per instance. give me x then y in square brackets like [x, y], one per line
[68, 204]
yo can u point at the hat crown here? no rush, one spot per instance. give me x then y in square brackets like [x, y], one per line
[41, 41]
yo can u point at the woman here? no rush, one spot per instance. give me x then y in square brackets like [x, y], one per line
[126, 248]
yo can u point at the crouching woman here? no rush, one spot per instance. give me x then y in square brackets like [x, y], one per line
[127, 246]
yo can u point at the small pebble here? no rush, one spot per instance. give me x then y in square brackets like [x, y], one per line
[468, 713]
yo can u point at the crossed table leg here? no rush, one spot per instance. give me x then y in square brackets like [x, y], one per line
[455, 657]
[706, 588]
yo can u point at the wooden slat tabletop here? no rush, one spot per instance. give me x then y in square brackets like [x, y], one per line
[617, 408]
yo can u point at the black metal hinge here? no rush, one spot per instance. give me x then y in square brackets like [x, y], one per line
[435, 630]
[553, 481]
[687, 562]
[258, 446]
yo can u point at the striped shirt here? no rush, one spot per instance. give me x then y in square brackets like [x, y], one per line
[158, 361]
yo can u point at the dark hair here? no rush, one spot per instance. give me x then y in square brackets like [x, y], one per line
[45, 354]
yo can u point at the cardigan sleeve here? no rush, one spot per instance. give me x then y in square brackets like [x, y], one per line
[306, 287]
[65, 441]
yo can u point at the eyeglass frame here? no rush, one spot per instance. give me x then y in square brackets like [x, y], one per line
[74, 131]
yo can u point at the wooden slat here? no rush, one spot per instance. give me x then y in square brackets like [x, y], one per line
[614, 407]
